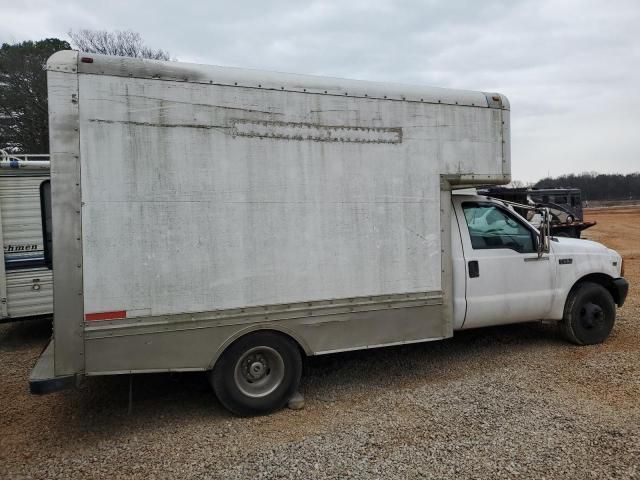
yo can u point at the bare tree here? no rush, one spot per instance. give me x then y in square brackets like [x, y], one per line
[518, 184]
[123, 43]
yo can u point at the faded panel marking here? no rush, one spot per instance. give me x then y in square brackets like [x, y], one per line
[159, 125]
[318, 133]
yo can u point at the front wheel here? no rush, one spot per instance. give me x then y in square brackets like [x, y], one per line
[258, 373]
[589, 314]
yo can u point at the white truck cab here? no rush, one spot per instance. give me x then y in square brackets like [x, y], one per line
[501, 275]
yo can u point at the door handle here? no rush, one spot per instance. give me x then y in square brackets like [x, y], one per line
[535, 259]
[474, 269]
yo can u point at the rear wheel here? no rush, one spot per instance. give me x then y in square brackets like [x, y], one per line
[589, 314]
[257, 374]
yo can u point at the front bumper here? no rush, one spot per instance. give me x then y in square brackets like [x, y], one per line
[621, 287]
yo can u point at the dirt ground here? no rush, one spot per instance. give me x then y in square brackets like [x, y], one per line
[508, 402]
[618, 229]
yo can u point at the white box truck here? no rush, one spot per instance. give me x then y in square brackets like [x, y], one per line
[233, 221]
[26, 284]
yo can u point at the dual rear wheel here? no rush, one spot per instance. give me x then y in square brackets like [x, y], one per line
[258, 373]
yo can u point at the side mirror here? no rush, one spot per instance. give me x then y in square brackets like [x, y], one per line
[539, 244]
[545, 233]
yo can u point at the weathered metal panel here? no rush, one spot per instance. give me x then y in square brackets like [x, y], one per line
[160, 343]
[25, 284]
[21, 216]
[29, 292]
[64, 143]
[185, 213]
[287, 82]
[446, 260]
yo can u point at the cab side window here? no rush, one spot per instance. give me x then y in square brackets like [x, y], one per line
[493, 227]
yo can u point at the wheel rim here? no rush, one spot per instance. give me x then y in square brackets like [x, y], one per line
[259, 371]
[591, 316]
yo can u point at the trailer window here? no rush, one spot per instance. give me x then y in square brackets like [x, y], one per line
[492, 227]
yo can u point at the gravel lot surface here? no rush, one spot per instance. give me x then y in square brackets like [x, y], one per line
[509, 402]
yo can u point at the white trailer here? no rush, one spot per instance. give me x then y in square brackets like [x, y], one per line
[26, 285]
[232, 221]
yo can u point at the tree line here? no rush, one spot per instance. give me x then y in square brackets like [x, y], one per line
[24, 121]
[598, 186]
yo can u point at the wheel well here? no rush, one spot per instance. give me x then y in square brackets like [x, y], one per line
[243, 333]
[601, 279]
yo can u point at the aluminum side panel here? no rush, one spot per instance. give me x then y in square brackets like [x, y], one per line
[200, 197]
[3, 279]
[29, 292]
[160, 344]
[209, 74]
[21, 215]
[64, 139]
[446, 258]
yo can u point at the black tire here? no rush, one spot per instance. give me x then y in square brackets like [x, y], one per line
[589, 314]
[257, 374]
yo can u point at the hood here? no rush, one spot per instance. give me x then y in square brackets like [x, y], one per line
[577, 245]
[604, 259]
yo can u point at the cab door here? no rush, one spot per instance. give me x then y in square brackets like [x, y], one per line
[506, 281]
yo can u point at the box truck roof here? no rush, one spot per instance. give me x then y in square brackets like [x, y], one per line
[67, 61]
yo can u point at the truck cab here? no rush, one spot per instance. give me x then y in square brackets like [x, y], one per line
[506, 271]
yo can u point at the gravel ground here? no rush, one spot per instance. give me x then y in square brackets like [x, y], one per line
[506, 402]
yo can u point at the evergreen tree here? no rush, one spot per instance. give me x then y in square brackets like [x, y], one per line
[23, 95]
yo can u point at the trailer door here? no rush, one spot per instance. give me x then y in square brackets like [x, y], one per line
[506, 282]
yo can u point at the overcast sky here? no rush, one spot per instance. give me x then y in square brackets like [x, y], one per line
[571, 69]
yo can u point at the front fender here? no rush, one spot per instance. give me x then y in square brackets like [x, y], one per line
[618, 287]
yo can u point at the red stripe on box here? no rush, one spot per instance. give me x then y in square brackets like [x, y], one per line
[90, 317]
